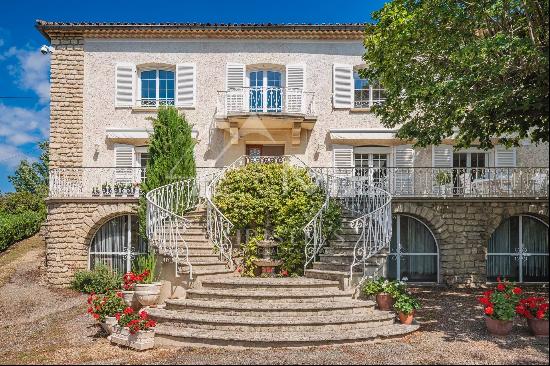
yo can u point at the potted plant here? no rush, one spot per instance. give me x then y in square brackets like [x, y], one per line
[129, 280]
[130, 190]
[535, 310]
[146, 289]
[95, 192]
[119, 189]
[385, 291]
[500, 307]
[103, 308]
[406, 306]
[134, 330]
[443, 179]
[106, 189]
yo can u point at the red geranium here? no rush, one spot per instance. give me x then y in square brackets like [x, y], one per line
[501, 304]
[517, 291]
[136, 322]
[489, 310]
[104, 305]
[533, 307]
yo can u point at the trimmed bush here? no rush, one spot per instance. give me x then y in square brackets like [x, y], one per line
[15, 227]
[100, 280]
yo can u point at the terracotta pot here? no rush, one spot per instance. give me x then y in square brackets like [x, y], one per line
[108, 324]
[539, 327]
[406, 318]
[385, 301]
[498, 327]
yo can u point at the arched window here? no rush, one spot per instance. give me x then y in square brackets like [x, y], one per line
[413, 251]
[116, 243]
[518, 250]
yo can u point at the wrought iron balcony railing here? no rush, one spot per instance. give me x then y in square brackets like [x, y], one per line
[266, 99]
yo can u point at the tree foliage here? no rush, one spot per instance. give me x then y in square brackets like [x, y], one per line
[476, 71]
[171, 156]
[33, 177]
[279, 197]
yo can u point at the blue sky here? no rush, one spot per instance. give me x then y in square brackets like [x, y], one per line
[24, 71]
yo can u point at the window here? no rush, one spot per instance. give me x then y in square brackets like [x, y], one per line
[265, 91]
[157, 87]
[413, 251]
[468, 168]
[518, 250]
[116, 243]
[366, 94]
[373, 166]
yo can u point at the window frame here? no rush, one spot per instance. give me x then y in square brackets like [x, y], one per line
[264, 89]
[157, 70]
[373, 86]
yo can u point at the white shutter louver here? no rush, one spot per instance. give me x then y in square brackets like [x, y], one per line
[342, 86]
[404, 175]
[124, 161]
[186, 85]
[343, 160]
[234, 83]
[124, 84]
[442, 156]
[505, 158]
[295, 85]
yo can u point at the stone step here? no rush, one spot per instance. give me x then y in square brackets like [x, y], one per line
[341, 277]
[200, 267]
[269, 283]
[182, 336]
[271, 295]
[338, 250]
[335, 267]
[255, 308]
[183, 269]
[244, 323]
[336, 258]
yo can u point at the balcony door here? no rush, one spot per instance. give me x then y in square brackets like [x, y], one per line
[265, 91]
[372, 167]
[469, 167]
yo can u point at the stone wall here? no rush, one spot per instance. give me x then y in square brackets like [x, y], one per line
[462, 229]
[69, 229]
[66, 105]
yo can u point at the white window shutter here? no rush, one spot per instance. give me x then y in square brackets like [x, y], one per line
[505, 158]
[342, 86]
[343, 160]
[442, 156]
[186, 84]
[124, 161]
[403, 177]
[124, 84]
[295, 85]
[235, 78]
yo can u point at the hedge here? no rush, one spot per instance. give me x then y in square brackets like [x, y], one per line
[15, 227]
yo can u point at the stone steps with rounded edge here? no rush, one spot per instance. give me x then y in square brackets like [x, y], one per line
[322, 266]
[182, 269]
[180, 336]
[240, 323]
[269, 283]
[243, 308]
[343, 278]
[272, 295]
[200, 267]
[336, 259]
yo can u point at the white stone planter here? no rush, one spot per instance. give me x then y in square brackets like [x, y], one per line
[109, 323]
[147, 293]
[142, 340]
[129, 298]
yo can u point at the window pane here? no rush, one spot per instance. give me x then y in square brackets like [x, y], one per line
[505, 239]
[419, 268]
[535, 268]
[391, 268]
[502, 265]
[534, 235]
[415, 237]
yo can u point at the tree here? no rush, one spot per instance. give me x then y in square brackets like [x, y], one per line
[33, 177]
[475, 71]
[171, 156]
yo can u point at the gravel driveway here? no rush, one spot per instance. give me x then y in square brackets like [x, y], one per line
[43, 325]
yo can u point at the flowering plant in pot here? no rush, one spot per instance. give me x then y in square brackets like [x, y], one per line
[535, 310]
[500, 307]
[384, 290]
[406, 306]
[103, 308]
[134, 329]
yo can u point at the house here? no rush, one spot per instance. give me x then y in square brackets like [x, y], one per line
[459, 217]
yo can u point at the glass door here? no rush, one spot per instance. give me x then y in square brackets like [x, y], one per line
[256, 101]
[468, 171]
[373, 167]
[265, 91]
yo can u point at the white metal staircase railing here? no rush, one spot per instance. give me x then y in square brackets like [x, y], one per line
[370, 204]
[166, 224]
[219, 227]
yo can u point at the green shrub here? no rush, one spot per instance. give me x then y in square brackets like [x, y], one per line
[279, 197]
[406, 304]
[15, 227]
[373, 287]
[100, 280]
[19, 202]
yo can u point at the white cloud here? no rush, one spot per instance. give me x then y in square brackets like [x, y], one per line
[19, 126]
[31, 71]
[10, 156]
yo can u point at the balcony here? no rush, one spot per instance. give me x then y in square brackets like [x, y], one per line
[447, 182]
[265, 108]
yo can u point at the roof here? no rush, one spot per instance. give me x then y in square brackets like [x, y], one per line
[351, 31]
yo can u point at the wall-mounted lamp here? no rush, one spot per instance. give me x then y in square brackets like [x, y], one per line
[45, 49]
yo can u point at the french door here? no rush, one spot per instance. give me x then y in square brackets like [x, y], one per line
[265, 91]
[372, 167]
[468, 167]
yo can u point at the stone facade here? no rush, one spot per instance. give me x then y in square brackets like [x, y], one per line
[70, 227]
[66, 105]
[462, 229]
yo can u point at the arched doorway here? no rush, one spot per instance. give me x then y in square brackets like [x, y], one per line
[518, 250]
[116, 243]
[414, 253]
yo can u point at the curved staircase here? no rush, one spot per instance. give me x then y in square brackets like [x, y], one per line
[221, 308]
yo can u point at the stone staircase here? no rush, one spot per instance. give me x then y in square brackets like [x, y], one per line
[275, 312]
[337, 256]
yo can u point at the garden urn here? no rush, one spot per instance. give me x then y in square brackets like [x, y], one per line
[108, 324]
